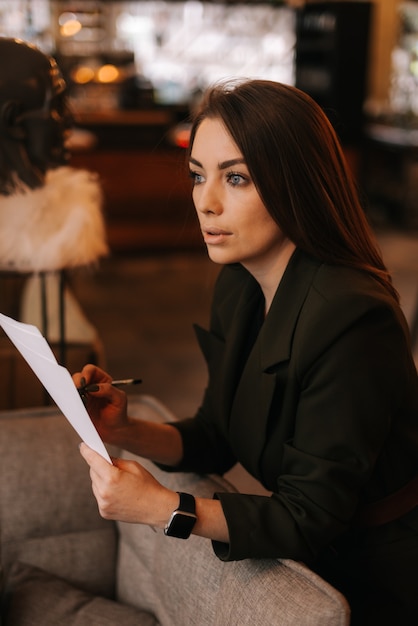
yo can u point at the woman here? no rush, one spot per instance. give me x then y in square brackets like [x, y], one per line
[312, 386]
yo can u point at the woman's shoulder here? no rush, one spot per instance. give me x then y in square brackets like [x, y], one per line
[333, 283]
[335, 295]
[341, 298]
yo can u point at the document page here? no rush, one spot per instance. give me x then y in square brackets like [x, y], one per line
[55, 378]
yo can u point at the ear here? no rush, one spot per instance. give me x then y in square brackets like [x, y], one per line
[9, 120]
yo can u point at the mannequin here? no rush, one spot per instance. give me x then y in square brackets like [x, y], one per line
[34, 115]
[50, 214]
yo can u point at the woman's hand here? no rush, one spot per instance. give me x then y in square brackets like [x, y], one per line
[107, 407]
[126, 492]
[105, 404]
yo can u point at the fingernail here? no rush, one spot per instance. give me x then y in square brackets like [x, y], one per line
[92, 387]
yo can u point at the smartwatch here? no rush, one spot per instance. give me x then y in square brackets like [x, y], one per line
[183, 519]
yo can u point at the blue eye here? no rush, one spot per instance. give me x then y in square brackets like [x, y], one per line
[235, 179]
[196, 178]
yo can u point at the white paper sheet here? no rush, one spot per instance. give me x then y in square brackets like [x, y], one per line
[55, 378]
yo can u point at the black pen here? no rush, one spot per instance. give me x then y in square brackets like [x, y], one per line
[126, 381]
[115, 383]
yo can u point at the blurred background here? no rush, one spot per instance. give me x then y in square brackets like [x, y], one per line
[135, 71]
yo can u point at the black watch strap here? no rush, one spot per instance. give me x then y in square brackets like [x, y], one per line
[187, 503]
[183, 519]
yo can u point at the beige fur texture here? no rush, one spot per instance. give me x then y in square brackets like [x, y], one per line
[57, 226]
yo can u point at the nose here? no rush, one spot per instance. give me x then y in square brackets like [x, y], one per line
[207, 199]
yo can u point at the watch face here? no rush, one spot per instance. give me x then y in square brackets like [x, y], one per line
[180, 525]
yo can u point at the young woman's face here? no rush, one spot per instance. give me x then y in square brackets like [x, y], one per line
[235, 224]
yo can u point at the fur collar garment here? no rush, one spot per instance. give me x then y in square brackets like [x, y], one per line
[57, 226]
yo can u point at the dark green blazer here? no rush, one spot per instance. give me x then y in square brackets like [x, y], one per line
[324, 411]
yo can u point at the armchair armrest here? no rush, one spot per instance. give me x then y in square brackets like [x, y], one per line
[49, 517]
[177, 580]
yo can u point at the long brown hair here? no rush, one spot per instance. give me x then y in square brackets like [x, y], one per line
[298, 167]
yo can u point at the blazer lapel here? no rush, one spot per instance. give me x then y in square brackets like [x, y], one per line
[245, 309]
[255, 391]
[223, 357]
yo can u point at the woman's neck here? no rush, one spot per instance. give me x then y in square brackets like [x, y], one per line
[270, 274]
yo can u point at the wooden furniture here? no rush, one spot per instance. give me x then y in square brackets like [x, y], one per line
[147, 194]
[147, 198]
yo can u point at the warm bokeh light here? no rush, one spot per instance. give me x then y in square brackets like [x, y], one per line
[82, 74]
[70, 28]
[182, 137]
[107, 74]
[66, 16]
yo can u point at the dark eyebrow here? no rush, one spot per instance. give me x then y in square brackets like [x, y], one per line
[195, 162]
[223, 165]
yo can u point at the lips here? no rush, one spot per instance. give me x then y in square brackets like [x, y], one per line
[211, 230]
[214, 235]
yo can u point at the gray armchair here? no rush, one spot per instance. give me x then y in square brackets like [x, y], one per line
[62, 564]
